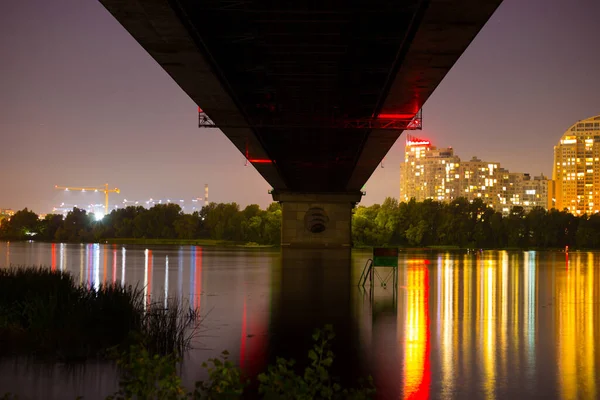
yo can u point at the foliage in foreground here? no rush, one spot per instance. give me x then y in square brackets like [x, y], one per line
[46, 314]
[155, 377]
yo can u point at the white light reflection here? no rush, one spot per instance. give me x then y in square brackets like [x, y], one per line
[62, 257]
[166, 279]
[123, 266]
[180, 273]
[145, 277]
[447, 318]
[88, 265]
[96, 266]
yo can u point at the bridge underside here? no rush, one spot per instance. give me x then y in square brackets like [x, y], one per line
[301, 87]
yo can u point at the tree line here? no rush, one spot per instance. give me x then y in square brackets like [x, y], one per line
[222, 221]
[429, 223]
[471, 225]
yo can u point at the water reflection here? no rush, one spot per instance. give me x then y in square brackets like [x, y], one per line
[314, 289]
[484, 325]
[577, 328]
[417, 367]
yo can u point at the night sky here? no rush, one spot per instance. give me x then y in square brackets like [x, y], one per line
[81, 103]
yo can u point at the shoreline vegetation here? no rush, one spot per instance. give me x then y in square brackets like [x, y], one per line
[459, 224]
[46, 316]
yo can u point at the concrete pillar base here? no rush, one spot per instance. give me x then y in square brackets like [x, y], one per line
[316, 220]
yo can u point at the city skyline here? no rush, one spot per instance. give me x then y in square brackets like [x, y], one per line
[433, 173]
[81, 103]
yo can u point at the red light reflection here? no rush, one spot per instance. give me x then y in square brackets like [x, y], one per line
[53, 256]
[244, 336]
[417, 378]
[150, 267]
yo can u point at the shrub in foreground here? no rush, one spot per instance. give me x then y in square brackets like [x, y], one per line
[155, 377]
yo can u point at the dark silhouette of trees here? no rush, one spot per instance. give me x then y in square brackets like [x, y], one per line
[23, 225]
[163, 221]
[470, 225]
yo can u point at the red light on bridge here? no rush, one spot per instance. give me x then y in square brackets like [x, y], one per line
[200, 110]
[260, 160]
[396, 116]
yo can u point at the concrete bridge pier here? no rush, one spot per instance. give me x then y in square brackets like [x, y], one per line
[316, 220]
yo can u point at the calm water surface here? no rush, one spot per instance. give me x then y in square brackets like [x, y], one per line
[485, 325]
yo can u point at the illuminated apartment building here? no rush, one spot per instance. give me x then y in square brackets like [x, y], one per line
[478, 179]
[439, 174]
[535, 191]
[575, 182]
[428, 172]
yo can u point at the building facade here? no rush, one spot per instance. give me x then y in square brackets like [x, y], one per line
[428, 172]
[576, 170]
[438, 174]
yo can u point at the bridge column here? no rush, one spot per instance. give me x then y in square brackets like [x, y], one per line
[316, 220]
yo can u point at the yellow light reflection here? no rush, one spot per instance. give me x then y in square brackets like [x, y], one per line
[503, 300]
[417, 372]
[516, 311]
[488, 317]
[575, 328]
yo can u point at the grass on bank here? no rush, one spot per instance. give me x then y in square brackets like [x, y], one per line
[45, 314]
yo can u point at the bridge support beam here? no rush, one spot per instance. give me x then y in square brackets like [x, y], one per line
[316, 220]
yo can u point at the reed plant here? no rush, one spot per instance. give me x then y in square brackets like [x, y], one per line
[45, 314]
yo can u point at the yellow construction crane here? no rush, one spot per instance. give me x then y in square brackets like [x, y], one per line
[105, 189]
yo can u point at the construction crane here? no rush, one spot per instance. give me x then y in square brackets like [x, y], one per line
[105, 190]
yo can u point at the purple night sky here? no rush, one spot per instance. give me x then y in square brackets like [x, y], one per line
[81, 104]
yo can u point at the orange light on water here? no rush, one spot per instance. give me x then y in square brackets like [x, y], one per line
[418, 262]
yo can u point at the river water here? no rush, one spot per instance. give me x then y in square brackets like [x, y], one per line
[482, 325]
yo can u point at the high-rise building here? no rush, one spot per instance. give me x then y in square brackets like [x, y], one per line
[428, 172]
[576, 171]
[438, 174]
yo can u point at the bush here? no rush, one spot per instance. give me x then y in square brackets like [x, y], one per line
[155, 377]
